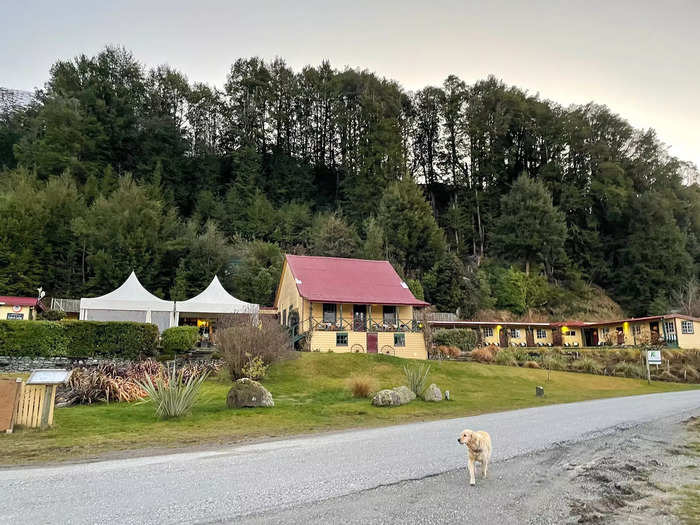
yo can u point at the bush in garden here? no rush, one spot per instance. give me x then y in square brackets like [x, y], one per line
[255, 369]
[554, 361]
[505, 357]
[242, 339]
[521, 354]
[179, 339]
[52, 315]
[123, 340]
[447, 352]
[361, 385]
[482, 355]
[626, 369]
[463, 338]
[170, 394]
[531, 364]
[588, 365]
[417, 378]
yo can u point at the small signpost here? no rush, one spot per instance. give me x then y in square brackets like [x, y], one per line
[653, 358]
[35, 409]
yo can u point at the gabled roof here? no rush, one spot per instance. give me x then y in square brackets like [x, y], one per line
[339, 280]
[129, 296]
[215, 300]
[12, 300]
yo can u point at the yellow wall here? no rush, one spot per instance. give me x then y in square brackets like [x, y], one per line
[28, 312]
[324, 341]
[495, 338]
[688, 341]
[288, 295]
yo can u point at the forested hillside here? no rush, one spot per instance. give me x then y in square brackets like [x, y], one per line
[482, 195]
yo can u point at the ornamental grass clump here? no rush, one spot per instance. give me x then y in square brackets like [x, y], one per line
[361, 385]
[170, 395]
[417, 378]
[505, 357]
[588, 365]
[626, 369]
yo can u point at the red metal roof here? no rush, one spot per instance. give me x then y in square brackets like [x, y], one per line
[17, 301]
[338, 280]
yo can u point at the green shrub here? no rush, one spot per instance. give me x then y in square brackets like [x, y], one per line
[521, 354]
[462, 338]
[416, 378]
[626, 369]
[588, 365]
[179, 339]
[554, 361]
[505, 357]
[78, 339]
[172, 396]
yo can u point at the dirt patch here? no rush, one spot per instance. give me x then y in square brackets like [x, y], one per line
[637, 480]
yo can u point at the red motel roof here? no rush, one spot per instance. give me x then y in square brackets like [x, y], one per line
[339, 280]
[17, 301]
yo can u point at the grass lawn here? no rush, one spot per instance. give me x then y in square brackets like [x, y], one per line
[310, 395]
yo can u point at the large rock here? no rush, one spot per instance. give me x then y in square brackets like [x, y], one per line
[386, 398]
[432, 393]
[248, 393]
[406, 395]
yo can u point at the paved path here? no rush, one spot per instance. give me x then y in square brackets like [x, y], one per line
[249, 480]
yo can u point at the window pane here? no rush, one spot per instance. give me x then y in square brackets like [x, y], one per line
[341, 339]
[399, 339]
[328, 313]
[389, 314]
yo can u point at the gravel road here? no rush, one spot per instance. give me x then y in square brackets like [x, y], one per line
[402, 473]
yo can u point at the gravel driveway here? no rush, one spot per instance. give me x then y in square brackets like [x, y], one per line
[376, 475]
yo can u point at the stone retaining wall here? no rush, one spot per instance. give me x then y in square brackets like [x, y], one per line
[11, 364]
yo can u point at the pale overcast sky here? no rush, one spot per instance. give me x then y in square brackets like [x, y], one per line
[641, 58]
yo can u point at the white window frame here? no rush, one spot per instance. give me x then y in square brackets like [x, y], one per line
[488, 331]
[515, 333]
[541, 333]
[669, 327]
[687, 327]
[637, 329]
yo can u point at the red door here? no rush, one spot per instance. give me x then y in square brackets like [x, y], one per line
[371, 343]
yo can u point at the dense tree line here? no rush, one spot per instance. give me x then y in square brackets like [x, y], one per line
[483, 195]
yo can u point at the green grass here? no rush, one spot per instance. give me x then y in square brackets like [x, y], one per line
[310, 395]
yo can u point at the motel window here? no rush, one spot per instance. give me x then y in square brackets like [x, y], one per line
[389, 315]
[514, 332]
[341, 339]
[669, 327]
[399, 339]
[488, 331]
[328, 313]
[541, 333]
[605, 331]
[571, 333]
[687, 327]
[637, 329]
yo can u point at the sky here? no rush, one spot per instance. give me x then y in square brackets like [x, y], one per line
[641, 58]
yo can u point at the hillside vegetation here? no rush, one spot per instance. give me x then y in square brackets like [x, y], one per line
[311, 393]
[482, 195]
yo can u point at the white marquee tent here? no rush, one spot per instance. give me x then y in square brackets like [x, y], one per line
[215, 300]
[130, 302]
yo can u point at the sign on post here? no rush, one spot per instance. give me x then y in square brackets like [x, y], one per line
[654, 357]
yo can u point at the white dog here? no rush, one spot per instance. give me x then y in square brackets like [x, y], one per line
[479, 449]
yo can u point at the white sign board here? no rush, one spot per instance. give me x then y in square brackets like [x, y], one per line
[654, 357]
[48, 376]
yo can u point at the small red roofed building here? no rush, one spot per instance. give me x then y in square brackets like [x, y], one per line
[350, 305]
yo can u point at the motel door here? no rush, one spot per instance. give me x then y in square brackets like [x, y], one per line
[556, 337]
[503, 337]
[529, 337]
[371, 343]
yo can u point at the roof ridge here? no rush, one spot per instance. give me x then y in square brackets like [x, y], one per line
[337, 258]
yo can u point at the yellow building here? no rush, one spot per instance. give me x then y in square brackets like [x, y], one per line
[676, 330]
[18, 308]
[350, 305]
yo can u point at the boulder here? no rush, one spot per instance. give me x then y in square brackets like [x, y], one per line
[248, 393]
[432, 393]
[406, 395]
[386, 398]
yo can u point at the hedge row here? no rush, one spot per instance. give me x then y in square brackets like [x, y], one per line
[463, 338]
[179, 339]
[78, 339]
